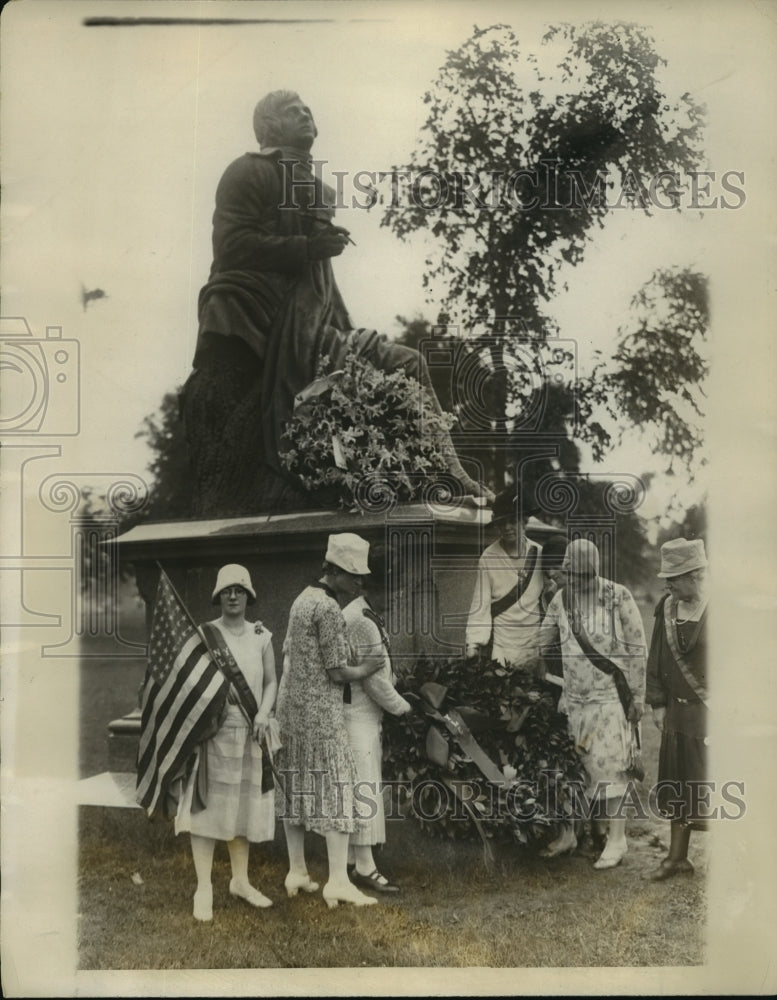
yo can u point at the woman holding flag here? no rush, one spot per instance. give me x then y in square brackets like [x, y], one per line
[229, 794]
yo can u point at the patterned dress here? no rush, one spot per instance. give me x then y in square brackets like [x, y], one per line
[596, 719]
[236, 805]
[315, 759]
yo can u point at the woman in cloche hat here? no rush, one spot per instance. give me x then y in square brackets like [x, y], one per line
[316, 759]
[598, 627]
[677, 693]
[237, 810]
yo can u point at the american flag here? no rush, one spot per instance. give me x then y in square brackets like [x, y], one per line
[184, 691]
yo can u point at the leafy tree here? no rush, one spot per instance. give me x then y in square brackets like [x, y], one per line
[656, 377]
[517, 164]
[172, 482]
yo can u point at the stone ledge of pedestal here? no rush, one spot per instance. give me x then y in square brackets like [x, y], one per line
[437, 546]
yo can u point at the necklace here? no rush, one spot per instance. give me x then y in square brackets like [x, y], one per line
[692, 611]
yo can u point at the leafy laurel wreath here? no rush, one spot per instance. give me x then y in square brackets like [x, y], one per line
[366, 427]
[529, 742]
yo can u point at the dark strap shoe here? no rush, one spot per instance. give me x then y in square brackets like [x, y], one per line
[668, 869]
[375, 882]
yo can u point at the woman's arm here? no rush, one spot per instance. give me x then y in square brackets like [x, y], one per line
[367, 645]
[269, 692]
[634, 639]
[549, 630]
[479, 622]
[330, 629]
[343, 675]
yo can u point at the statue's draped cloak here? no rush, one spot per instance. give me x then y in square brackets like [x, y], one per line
[264, 290]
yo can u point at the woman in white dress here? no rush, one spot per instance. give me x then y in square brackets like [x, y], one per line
[236, 810]
[366, 701]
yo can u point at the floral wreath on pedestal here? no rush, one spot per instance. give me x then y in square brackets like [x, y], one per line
[361, 438]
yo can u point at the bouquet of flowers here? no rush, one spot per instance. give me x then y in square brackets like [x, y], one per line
[366, 437]
[516, 730]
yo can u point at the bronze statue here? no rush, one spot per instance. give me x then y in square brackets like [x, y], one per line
[269, 312]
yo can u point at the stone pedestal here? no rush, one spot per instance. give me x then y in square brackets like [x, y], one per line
[123, 742]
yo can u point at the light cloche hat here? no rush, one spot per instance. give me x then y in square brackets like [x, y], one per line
[682, 556]
[350, 552]
[233, 575]
[582, 557]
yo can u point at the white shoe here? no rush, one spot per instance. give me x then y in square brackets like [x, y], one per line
[295, 882]
[203, 904]
[611, 857]
[247, 892]
[346, 893]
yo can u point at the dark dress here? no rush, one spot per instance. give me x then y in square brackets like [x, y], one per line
[682, 760]
[267, 316]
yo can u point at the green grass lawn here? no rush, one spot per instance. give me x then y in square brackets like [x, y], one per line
[452, 911]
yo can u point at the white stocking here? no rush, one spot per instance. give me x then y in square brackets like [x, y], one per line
[238, 858]
[202, 855]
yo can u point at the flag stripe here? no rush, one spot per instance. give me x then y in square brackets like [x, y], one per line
[167, 693]
[173, 724]
[180, 742]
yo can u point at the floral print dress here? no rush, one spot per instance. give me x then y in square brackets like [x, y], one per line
[315, 758]
[596, 719]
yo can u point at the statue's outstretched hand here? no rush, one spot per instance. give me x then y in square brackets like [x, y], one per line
[329, 242]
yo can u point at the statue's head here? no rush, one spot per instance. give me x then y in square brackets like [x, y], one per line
[281, 119]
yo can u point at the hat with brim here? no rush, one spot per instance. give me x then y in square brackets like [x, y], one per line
[554, 550]
[682, 556]
[350, 552]
[507, 506]
[233, 575]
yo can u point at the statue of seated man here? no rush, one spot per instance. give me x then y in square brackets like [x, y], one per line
[270, 311]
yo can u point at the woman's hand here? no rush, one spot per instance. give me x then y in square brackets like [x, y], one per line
[636, 711]
[659, 713]
[261, 721]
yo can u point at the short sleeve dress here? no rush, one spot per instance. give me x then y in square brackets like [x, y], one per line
[236, 805]
[315, 758]
[596, 719]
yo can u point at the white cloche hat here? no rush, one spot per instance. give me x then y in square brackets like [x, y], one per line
[349, 552]
[233, 575]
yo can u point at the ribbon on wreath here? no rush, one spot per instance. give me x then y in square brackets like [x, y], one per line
[430, 700]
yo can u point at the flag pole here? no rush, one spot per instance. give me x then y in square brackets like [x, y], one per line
[177, 596]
